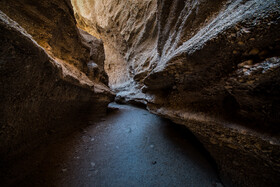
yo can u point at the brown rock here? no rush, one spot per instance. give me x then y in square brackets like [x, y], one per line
[263, 53]
[254, 51]
[40, 95]
[245, 63]
[234, 52]
[241, 43]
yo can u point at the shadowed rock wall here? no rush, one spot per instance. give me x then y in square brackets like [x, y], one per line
[48, 80]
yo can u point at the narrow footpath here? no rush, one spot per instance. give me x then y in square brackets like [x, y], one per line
[129, 147]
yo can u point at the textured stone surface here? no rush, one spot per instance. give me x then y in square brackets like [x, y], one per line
[41, 94]
[210, 65]
[97, 57]
[52, 25]
[244, 157]
[129, 31]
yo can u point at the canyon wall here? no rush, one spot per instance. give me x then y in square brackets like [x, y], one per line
[129, 31]
[52, 74]
[212, 66]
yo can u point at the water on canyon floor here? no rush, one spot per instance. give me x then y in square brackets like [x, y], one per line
[129, 147]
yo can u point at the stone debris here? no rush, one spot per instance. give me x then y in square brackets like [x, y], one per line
[92, 164]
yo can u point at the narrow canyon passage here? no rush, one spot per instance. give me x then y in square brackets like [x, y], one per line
[129, 147]
[210, 66]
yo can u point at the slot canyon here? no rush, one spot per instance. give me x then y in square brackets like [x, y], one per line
[140, 93]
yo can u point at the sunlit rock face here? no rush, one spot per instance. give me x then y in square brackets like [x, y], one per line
[129, 31]
[210, 65]
[53, 26]
[51, 74]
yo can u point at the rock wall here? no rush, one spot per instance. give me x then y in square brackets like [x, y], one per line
[210, 65]
[129, 31]
[48, 80]
[52, 25]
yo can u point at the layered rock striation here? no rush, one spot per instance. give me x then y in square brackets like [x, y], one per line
[212, 66]
[52, 76]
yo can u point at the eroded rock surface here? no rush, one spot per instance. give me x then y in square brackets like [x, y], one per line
[52, 25]
[45, 80]
[129, 31]
[210, 65]
[97, 57]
